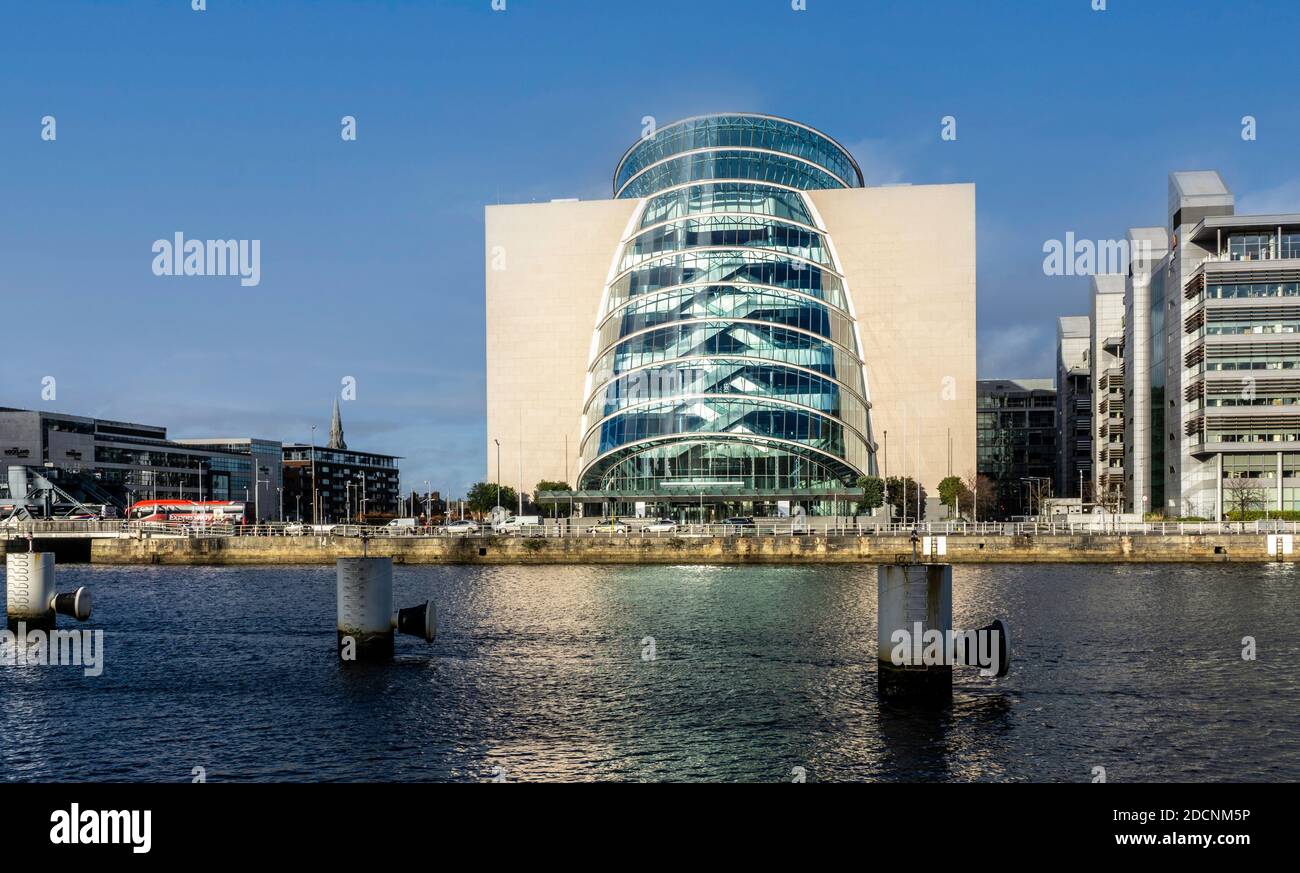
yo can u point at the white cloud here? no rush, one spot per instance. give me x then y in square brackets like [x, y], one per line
[1271, 201]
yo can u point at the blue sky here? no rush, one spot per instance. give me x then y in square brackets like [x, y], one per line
[225, 124]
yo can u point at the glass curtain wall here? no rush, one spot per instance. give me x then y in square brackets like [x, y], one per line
[726, 352]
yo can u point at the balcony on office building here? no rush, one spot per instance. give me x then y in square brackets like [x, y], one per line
[1253, 249]
[1110, 387]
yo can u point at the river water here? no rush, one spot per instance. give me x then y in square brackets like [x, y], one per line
[758, 673]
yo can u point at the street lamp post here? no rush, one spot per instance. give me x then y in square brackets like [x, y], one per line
[889, 510]
[1039, 490]
[258, 481]
[314, 520]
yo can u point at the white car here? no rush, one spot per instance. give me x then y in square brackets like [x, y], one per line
[296, 529]
[661, 525]
[515, 524]
[608, 527]
[464, 526]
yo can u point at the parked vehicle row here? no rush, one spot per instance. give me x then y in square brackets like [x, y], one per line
[739, 525]
[295, 529]
[510, 526]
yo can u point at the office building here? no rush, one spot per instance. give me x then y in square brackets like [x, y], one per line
[1017, 433]
[1144, 372]
[1073, 407]
[100, 461]
[264, 489]
[1229, 424]
[735, 331]
[348, 485]
[1106, 352]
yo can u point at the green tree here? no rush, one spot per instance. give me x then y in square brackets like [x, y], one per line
[874, 492]
[953, 491]
[901, 489]
[548, 485]
[483, 496]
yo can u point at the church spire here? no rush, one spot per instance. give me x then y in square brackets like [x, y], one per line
[336, 430]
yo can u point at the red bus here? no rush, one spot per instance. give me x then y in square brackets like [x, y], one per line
[192, 512]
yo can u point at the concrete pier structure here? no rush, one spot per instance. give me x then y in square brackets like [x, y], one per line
[366, 619]
[365, 608]
[30, 595]
[912, 599]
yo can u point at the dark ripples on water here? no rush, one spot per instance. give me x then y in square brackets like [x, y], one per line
[538, 671]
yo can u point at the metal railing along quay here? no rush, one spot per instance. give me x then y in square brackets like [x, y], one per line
[598, 528]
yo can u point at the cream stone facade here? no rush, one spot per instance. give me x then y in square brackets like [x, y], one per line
[908, 254]
[546, 266]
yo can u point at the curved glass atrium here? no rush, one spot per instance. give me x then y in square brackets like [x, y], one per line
[726, 357]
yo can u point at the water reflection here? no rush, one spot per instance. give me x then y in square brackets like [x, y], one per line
[543, 672]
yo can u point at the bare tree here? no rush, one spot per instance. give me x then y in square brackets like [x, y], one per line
[1112, 496]
[1244, 495]
[981, 494]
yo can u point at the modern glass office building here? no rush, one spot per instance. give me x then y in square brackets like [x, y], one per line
[99, 461]
[727, 355]
[1016, 427]
[731, 331]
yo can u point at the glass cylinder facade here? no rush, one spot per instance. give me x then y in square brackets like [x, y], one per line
[726, 351]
